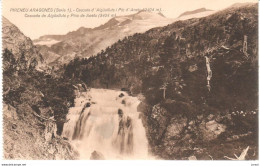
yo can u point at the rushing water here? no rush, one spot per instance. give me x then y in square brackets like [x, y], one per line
[106, 124]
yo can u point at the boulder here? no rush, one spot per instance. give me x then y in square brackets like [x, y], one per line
[87, 105]
[175, 127]
[192, 158]
[193, 68]
[120, 112]
[95, 155]
[123, 102]
[121, 95]
[211, 130]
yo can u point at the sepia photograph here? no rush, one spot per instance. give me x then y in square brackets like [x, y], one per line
[130, 80]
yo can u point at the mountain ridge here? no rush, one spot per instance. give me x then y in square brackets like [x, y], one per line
[59, 37]
[85, 42]
[90, 41]
[19, 44]
[194, 12]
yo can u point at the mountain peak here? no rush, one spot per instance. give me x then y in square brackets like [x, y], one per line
[145, 12]
[147, 15]
[126, 19]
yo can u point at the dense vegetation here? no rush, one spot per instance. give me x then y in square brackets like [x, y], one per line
[174, 57]
[24, 86]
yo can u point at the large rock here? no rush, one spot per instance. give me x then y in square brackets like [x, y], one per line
[211, 130]
[175, 127]
[50, 131]
[193, 68]
[95, 155]
[192, 158]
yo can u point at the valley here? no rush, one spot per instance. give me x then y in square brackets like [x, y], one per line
[141, 86]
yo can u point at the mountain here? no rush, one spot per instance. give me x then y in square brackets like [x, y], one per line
[197, 80]
[194, 12]
[19, 44]
[202, 12]
[52, 39]
[34, 103]
[49, 56]
[85, 42]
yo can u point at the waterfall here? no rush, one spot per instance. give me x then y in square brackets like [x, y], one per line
[105, 123]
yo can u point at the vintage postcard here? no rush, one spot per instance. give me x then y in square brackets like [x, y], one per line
[130, 80]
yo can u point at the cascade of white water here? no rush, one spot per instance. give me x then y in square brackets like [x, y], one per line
[104, 123]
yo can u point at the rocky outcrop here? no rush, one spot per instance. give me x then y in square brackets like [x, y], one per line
[50, 131]
[31, 138]
[181, 137]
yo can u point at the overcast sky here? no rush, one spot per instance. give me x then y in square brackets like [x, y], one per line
[35, 27]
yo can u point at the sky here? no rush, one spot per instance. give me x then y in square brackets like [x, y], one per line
[34, 27]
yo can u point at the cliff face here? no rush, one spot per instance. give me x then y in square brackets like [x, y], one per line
[33, 110]
[198, 77]
[20, 45]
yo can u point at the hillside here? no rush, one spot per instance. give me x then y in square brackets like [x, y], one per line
[19, 44]
[192, 117]
[34, 103]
